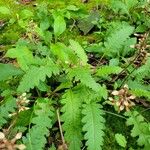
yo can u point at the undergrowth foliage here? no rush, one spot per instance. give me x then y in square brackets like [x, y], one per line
[65, 67]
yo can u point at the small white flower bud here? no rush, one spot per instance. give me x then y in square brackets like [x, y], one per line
[115, 92]
[121, 108]
[18, 135]
[24, 94]
[20, 147]
[2, 135]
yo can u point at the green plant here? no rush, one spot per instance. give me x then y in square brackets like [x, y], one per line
[65, 69]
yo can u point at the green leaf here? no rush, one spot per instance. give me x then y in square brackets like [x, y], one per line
[140, 128]
[8, 70]
[72, 119]
[93, 126]
[26, 14]
[36, 138]
[83, 74]
[35, 74]
[63, 53]
[116, 40]
[104, 71]
[8, 106]
[86, 24]
[59, 25]
[141, 93]
[23, 54]
[72, 8]
[4, 10]
[120, 140]
[76, 47]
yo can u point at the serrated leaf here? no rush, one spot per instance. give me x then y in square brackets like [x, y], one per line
[76, 47]
[104, 71]
[141, 93]
[59, 25]
[36, 138]
[116, 40]
[6, 108]
[83, 74]
[140, 128]
[93, 126]
[35, 74]
[72, 119]
[22, 54]
[120, 140]
[8, 70]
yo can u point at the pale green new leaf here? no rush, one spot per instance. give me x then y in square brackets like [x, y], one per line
[93, 126]
[8, 70]
[121, 140]
[36, 138]
[4, 10]
[83, 74]
[76, 47]
[59, 25]
[72, 119]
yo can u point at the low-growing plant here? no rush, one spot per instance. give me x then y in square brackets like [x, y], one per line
[68, 68]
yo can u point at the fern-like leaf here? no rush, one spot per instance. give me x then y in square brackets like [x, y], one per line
[93, 125]
[83, 74]
[117, 39]
[72, 119]
[35, 139]
[79, 51]
[6, 108]
[141, 93]
[35, 74]
[140, 128]
[104, 71]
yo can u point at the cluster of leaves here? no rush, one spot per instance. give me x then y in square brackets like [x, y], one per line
[60, 65]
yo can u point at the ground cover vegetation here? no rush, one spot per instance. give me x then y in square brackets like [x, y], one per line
[74, 75]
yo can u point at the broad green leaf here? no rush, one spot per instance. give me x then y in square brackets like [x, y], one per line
[25, 14]
[63, 53]
[72, 8]
[121, 140]
[8, 70]
[76, 47]
[86, 24]
[4, 10]
[59, 25]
